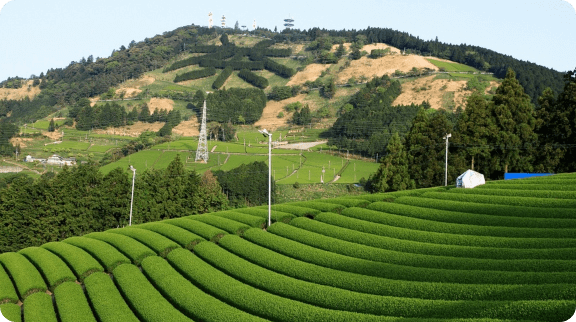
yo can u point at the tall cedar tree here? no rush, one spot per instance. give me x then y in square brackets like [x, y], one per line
[516, 141]
[567, 102]
[550, 127]
[426, 148]
[475, 127]
[51, 127]
[393, 174]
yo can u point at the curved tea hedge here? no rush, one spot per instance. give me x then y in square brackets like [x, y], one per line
[438, 254]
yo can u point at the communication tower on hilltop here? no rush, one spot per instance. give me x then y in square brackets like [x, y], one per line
[289, 23]
[210, 21]
[223, 21]
[202, 151]
[254, 24]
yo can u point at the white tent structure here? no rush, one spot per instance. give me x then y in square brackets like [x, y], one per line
[470, 179]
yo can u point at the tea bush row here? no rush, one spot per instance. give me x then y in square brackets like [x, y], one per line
[250, 220]
[253, 79]
[108, 256]
[183, 237]
[461, 264]
[72, 303]
[81, 263]
[221, 79]
[38, 307]
[525, 208]
[297, 211]
[322, 206]
[26, 277]
[199, 228]
[444, 227]
[381, 286]
[458, 212]
[517, 193]
[354, 218]
[352, 230]
[231, 226]
[346, 300]
[340, 262]
[54, 270]
[106, 300]
[7, 291]
[276, 215]
[148, 304]
[195, 74]
[158, 243]
[133, 249]
[187, 297]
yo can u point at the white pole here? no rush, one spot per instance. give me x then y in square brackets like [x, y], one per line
[446, 166]
[132, 199]
[269, 180]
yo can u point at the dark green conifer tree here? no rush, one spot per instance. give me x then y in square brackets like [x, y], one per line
[393, 174]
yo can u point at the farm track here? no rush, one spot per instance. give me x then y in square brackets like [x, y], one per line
[365, 258]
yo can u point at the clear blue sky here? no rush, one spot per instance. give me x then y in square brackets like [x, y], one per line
[36, 35]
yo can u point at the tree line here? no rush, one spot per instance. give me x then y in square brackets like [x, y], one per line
[492, 136]
[80, 200]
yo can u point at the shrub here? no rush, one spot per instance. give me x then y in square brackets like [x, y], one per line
[133, 249]
[195, 74]
[38, 308]
[280, 93]
[54, 270]
[201, 229]
[147, 302]
[72, 303]
[181, 236]
[7, 291]
[106, 300]
[280, 115]
[106, 255]
[231, 226]
[253, 79]
[221, 79]
[186, 297]
[25, 276]
[82, 263]
[158, 243]
[293, 107]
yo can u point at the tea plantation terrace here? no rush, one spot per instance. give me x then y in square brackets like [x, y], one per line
[503, 251]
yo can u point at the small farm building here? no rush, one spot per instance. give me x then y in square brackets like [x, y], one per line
[470, 179]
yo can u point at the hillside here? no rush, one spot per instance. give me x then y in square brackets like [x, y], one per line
[500, 252]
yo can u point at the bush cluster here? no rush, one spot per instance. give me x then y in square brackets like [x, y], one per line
[195, 74]
[253, 79]
[221, 79]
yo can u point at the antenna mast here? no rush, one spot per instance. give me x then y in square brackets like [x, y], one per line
[254, 24]
[202, 151]
[223, 21]
[210, 21]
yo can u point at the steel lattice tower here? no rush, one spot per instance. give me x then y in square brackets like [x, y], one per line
[202, 151]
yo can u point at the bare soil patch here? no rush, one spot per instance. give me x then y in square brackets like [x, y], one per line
[310, 73]
[160, 103]
[20, 141]
[384, 65]
[56, 135]
[269, 118]
[19, 93]
[433, 92]
[133, 130]
[188, 128]
[131, 88]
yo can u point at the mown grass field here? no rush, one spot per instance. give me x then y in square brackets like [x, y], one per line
[503, 251]
[452, 66]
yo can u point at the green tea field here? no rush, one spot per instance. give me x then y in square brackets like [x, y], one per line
[503, 251]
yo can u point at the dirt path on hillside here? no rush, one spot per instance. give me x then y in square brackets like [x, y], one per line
[133, 130]
[20, 93]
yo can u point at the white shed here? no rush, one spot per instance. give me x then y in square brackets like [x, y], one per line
[470, 179]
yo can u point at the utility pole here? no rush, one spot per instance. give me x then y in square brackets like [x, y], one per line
[446, 167]
[132, 199]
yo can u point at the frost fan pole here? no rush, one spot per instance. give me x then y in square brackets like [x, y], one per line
[132, 199]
